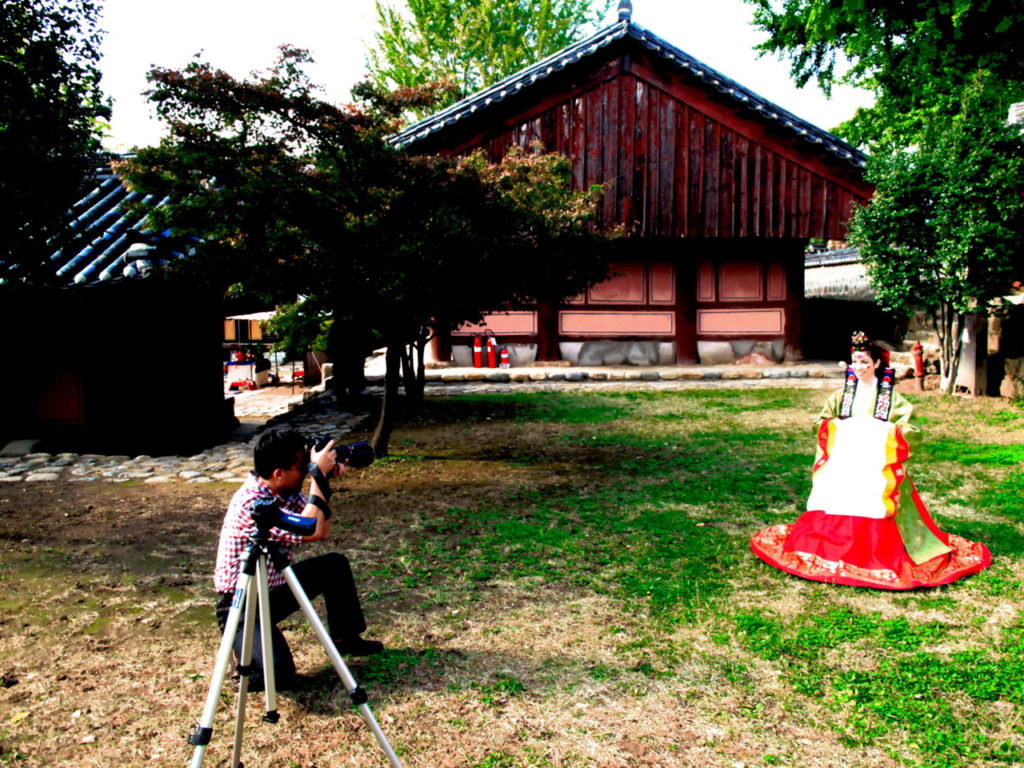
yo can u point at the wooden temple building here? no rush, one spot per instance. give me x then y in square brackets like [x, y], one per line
[721, 189]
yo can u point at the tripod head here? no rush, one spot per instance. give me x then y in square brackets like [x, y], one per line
[267, 514]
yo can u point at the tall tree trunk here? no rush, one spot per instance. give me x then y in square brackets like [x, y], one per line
[957, 347]
[421, 365]
[408, 372]
[414, 377]
[949, 327]
[389, 405]
[347, 349]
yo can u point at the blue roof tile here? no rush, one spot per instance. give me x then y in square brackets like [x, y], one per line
[108, 241]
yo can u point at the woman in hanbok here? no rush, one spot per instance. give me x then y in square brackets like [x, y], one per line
[865, 523]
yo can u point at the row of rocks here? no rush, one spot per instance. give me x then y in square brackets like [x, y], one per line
[228, 463]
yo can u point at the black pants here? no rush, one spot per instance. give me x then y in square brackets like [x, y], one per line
[329, 575]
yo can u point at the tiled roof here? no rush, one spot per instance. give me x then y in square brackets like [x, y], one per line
[832, 258]
[521, 81]
[837, 274]
[107, 242]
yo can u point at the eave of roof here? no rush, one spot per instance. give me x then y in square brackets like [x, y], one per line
[528, 77]
[108, 241]
[832, 258]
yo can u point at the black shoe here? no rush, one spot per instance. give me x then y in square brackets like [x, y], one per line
[357, 646]
[286, 683]
[255, 685]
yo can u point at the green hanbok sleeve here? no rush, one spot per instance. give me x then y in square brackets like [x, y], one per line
[830, 410]
[900, 414]
[921, 544]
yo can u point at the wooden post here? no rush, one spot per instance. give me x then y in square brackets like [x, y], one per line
[686, 312]
[441, 346]
[547, 332]
[794, 261]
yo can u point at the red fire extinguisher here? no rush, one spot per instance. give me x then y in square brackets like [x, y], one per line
[504, 357]
[477, 352]
[492, 351]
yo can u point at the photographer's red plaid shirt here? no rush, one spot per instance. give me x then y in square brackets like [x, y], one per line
[239, 525]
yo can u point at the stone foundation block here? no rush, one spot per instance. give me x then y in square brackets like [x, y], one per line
[1012, 384]
[619, 353]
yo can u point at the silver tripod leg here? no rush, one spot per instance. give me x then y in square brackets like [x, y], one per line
[201, 737]
[355, 692]
[269, 679]
[260, 599]
[248, 630]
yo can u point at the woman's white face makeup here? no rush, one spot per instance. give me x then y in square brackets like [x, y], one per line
[863, 366]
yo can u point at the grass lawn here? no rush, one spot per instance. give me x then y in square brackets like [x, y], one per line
[560, 580]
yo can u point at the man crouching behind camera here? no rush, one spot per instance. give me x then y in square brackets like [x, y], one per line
[281, 464]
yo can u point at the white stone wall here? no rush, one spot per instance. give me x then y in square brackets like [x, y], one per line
[840, 281]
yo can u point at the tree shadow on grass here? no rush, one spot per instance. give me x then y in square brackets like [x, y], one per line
[1002, 538]
[536, 406]
[488, 679]
[382, 675]
[1005, 499]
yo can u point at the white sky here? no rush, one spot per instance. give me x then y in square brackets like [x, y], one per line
[240, 36]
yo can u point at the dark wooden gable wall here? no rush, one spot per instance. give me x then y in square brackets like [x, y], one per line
[677, 158]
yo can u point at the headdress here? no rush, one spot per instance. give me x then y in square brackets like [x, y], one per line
[859, 342]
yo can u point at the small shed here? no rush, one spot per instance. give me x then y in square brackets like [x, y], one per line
[117, 359]
[721, 189]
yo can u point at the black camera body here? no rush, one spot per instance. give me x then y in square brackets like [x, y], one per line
[267, 514]
[359, 455]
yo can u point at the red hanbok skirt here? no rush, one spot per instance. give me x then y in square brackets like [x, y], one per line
[864, 552]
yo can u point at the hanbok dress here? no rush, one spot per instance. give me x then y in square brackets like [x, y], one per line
[865, 523]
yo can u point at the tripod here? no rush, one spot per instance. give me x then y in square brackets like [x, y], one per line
[255, 566]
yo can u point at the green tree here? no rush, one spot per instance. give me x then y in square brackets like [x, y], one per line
[51, 109]
[916, 57]
[290, 195]
[471, 43]
[944, 230]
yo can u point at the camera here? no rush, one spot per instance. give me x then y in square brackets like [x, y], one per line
[359, 455]
[267, 514]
